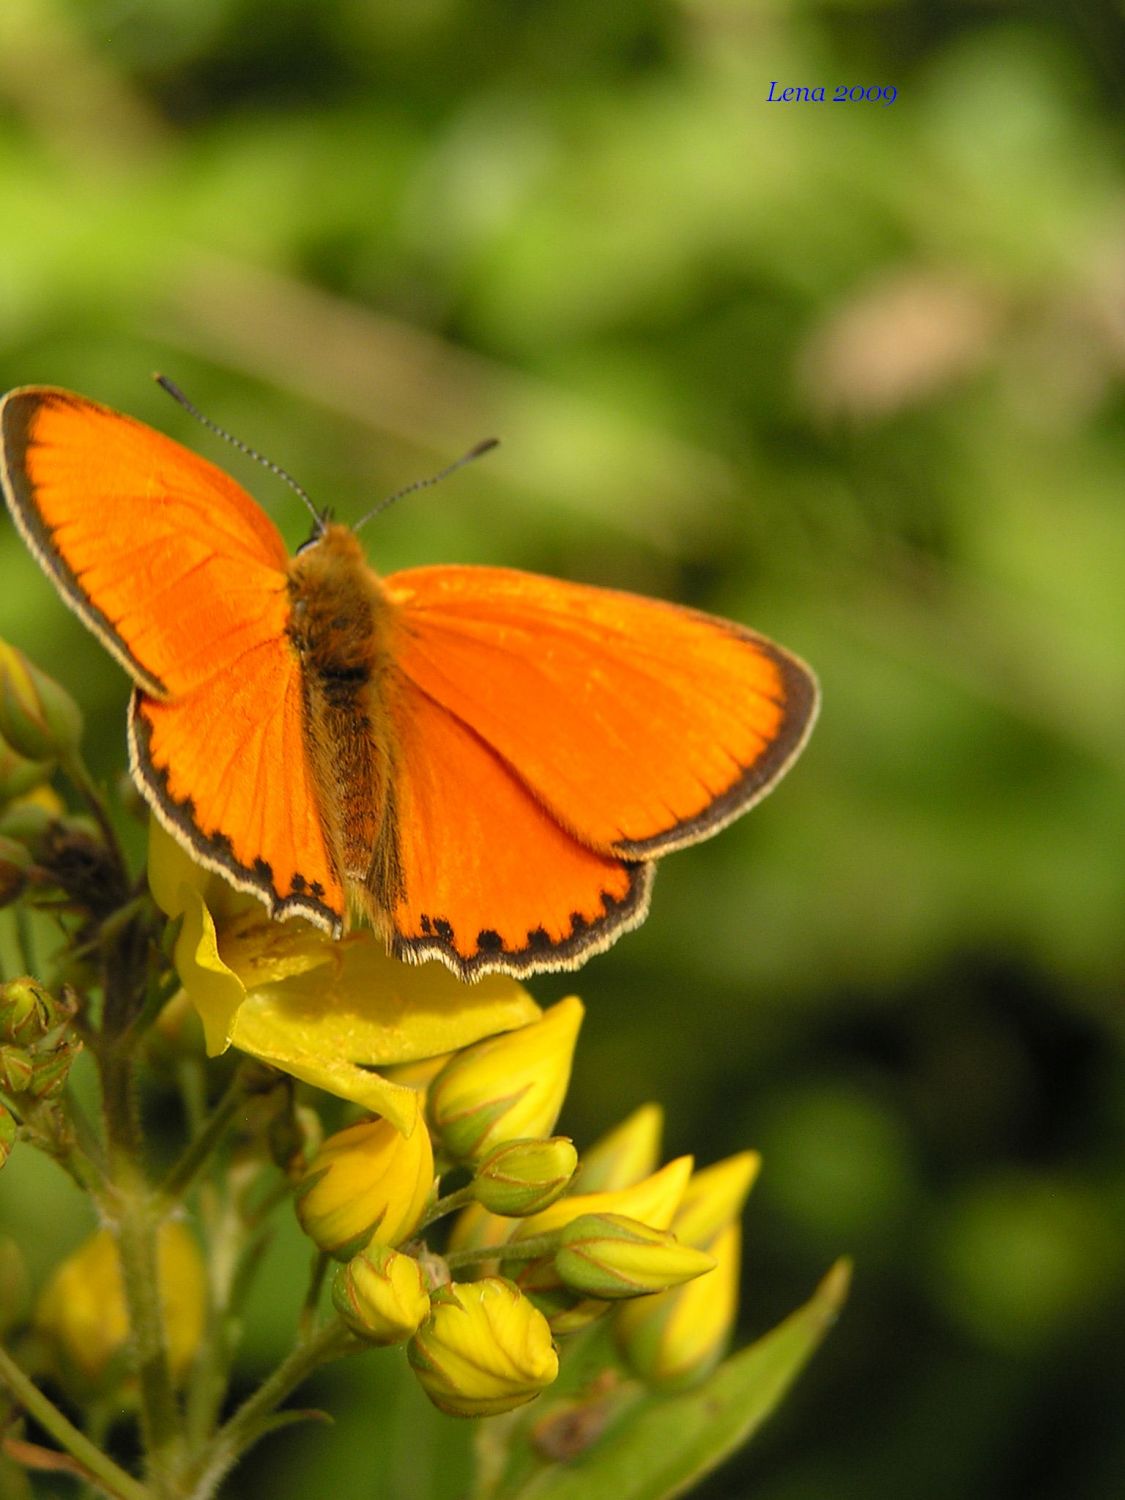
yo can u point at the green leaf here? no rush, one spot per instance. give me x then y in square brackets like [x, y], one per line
[632, 1444]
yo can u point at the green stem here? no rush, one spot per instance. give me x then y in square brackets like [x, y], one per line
[447, 1205]
[198, 1152]
[114, 1480]
[530, 1249]
[307, 1319]
[252, 1419]
[136, 1222]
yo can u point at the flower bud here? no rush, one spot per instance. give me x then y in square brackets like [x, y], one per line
[521, 1177]
[624, 1154]
[381, 1295]
[27, 1012]
[678, 1337]
[19, 776]
[27, 822]
[7, 1133]
[82, 1308]
[51, 1069]
[714, 1198]
[485, 1349]
[17, 1068]
[367, 1183]
[509, 1087]
[38, 717]
[611, 1256]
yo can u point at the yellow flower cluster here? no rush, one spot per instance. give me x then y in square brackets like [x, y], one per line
[529, 1258]
[471, 1085]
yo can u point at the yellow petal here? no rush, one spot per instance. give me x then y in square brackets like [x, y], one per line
[375, 1009]
[214, 989]
[258, 1030]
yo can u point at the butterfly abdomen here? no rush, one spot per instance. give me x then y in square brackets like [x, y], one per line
[341, 623]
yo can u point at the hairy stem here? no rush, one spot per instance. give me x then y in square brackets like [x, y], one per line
[113, 1480]
[135, 1221]
[256, 1414]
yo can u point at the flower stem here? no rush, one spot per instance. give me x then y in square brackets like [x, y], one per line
[447, 1205]
[256, 1414]
[198, 1151]
[114, 1480]
[135, 1224]
[530, 1249]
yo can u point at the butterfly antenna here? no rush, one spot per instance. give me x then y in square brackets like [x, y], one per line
[475, 451]
[189, 406]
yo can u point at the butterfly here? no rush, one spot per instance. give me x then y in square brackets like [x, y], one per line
[485, 763]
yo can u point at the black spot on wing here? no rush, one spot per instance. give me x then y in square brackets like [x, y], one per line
[585, 936]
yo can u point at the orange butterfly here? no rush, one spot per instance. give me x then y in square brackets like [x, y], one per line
[487, 762]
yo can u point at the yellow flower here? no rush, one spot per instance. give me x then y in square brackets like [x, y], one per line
[611, 1256]
[367, 1183]
[507, 1088]
[381, 1295]
[322, 1010]
[485, 1349]
[679, 1336]
[82, 1308]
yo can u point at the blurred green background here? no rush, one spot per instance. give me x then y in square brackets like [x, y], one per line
[847, 372]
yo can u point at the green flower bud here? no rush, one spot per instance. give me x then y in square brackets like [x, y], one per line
[484, 1349]
[366, 1183]
[27, 823]
[8, 1130]
[19, 776]
[38, 717]
[17, 1068]
[381, 1295]
[51, 1069]
[611, 1256]
[510, 1087]
[27, 1011]
[521, 1177]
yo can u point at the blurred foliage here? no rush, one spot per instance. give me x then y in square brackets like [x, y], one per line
[848, 372]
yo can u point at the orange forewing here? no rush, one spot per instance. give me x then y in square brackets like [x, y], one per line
[547, 740]
[183, 576]
[162, 554]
